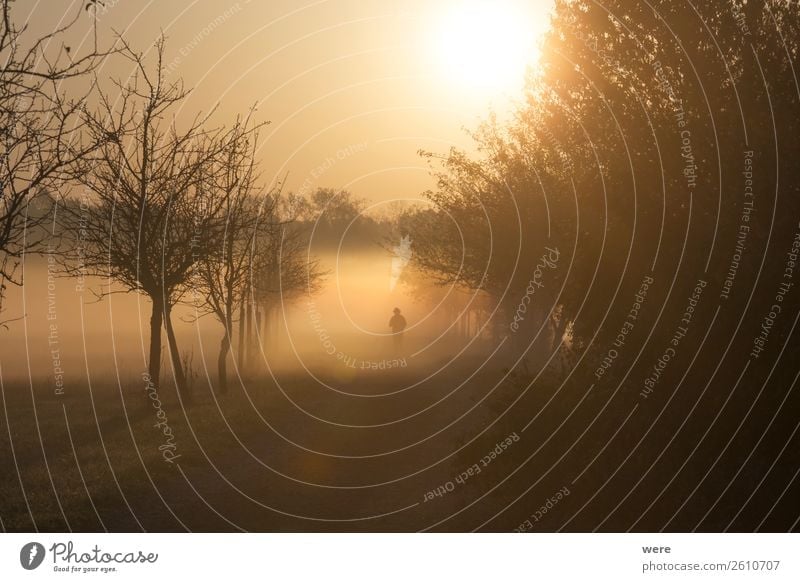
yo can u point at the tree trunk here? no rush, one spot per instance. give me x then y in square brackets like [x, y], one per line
[240, 355]
[177, 365]
[222, 362]
[156, 319]
[266, 325]
[248, 336]
[257, 338]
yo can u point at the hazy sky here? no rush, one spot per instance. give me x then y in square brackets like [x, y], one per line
[352, 88]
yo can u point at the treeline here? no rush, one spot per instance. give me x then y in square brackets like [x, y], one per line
[657, 140]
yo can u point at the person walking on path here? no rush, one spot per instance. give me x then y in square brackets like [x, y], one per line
[398, 324]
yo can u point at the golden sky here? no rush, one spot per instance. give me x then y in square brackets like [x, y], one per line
[352, 88]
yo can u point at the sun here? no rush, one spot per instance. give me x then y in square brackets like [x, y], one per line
[486, 45]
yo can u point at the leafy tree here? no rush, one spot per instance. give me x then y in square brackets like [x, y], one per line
[634, 126]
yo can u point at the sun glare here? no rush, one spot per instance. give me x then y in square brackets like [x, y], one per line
[486, 45]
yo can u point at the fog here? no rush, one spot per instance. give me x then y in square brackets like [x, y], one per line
[68, 330]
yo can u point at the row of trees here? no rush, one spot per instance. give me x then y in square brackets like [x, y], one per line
[170, 208]
[635, 123]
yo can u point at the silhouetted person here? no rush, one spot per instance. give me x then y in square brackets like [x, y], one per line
[398, 325]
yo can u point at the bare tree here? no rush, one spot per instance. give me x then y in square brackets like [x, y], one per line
[283, 267]
[151, 217]
[260, 257]
[39, 130]
[222, 274]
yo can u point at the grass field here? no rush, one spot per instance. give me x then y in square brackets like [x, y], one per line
[258, 459]
[399, 450]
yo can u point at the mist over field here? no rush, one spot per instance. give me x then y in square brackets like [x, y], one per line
[343, 326]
